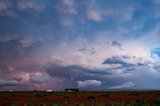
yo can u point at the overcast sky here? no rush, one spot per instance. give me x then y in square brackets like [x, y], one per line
[86, 44]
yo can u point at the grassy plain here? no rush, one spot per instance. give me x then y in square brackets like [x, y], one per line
[81, 98]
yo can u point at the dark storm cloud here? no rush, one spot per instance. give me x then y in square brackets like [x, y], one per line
[124, 64]
[117, 60]
[75, 73]
[83, 77]
[4, 82]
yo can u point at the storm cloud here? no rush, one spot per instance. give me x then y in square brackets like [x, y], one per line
[100, 44]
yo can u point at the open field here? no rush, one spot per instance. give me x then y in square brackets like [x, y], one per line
[81, 98]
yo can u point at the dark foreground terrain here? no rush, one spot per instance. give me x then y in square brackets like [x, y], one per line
[81, 98]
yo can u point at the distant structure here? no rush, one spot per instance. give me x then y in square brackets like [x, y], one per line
[49, 90]
[71, 90]
[10, 90]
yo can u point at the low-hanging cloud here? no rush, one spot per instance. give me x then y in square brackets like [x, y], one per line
[4, 82]
[123, 86]
[89, 83]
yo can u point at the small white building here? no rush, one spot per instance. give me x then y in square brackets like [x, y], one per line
[10, 90]
[48, 90]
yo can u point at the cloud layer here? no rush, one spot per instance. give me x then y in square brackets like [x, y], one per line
[100, 44]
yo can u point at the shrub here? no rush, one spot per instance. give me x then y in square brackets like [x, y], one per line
[91, 97]
[139, 103]
[67, 97]
[55, 104]
[13, 104]
[106, 94]
[12, 94]
[42, 94]
[157, 102]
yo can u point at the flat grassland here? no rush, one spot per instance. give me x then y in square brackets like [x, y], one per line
[81, 98]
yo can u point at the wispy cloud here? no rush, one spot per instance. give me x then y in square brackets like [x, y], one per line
[67, 7]
[94, 15]
[30, 4]
[5, 5]
[156, 1]
[5, 9]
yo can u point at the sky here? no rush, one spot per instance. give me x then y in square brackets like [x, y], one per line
[86, 44]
